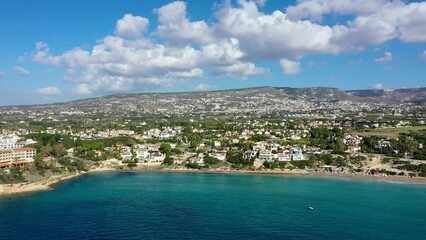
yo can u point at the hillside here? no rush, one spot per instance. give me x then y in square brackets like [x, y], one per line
[261, 100]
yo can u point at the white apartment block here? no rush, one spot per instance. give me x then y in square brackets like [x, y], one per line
[17, 154]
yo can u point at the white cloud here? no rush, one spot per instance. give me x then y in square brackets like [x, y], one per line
[42, 55]
[315, 9]
[194, 73]
[289, 67]
[231, 45]
[82, 89]
[131, 26]
[21, 71]
[261, 2]
[412, 22]
[378, 86]
[239, 70]
[384, 59]
[272, 36]
[117, 64]
[49, 91]
[205, 87]
[178, 29]
[395, 20]
[224, 52]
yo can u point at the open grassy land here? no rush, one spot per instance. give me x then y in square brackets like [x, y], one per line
[390, 132]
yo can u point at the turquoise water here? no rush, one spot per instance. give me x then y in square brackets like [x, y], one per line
[207, 206]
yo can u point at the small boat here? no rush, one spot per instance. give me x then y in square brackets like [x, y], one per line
[311, 208]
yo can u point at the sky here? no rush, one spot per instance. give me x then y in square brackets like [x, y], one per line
[53, 51]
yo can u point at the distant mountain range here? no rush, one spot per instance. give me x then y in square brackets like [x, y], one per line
[259, 99]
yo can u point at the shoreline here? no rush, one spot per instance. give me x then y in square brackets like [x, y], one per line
[390, 179]
[43, 185]
[48, 184]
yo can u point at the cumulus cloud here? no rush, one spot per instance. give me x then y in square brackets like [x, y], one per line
[239, 70]
[395, 20]
[230, 46]
[49, 91]
[205, 87]
[315, 9]
[289, 67]
[261, 2]
[175, 27]
[272, 36]
[21, 71]
[117, 64]
[82, 89]
[42, 54]
[378, 86]
[131, 26]
[386, 58]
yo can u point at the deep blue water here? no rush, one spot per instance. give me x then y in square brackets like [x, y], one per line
[206, 206]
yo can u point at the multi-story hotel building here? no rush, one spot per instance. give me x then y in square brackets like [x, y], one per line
[16, 156]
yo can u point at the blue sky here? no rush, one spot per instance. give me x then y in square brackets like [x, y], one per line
[54, 51]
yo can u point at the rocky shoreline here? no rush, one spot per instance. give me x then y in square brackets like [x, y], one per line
[43, 185]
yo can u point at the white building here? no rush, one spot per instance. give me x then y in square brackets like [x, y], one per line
[284, 155]
[16, 156]
[265, 155]
[296, 154]
[156, 157]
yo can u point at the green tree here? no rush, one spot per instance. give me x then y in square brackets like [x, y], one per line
[59, 150]
[211, 160]
[168, 160]
[165, 148]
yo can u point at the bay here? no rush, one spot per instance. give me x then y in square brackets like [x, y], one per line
[142, 205]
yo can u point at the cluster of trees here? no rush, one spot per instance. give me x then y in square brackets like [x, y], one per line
[68, 164]
[273, 165]
[328, 139]
[100, 144]
[55, 146]
[421, 168]
[237, 160]
[209, 160]
[73, 165]
[193, 165]
[57, 151]
[404, 145]
[328, 159]
[90, 154]
[46, 139]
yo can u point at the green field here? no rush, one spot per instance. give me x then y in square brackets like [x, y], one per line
[401, 129]
[390, 132]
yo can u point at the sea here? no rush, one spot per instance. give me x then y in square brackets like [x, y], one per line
[129, 205]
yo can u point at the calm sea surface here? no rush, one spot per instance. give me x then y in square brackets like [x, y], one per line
[207, 206]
